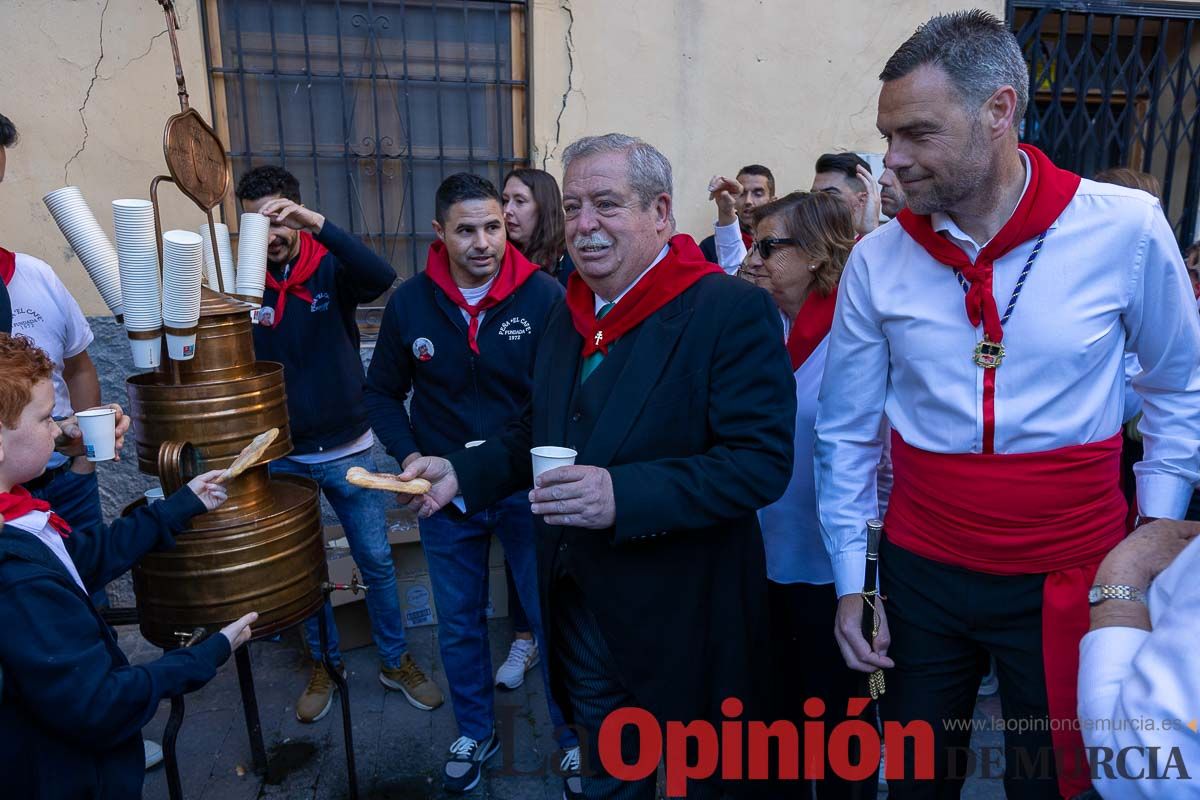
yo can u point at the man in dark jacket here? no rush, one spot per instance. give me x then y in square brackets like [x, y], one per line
[462, 337]
[672, 383]
[317, 275]
[72, 708]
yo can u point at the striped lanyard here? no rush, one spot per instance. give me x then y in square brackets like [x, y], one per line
[989, 354]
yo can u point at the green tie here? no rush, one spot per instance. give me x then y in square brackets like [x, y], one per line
[591, 362]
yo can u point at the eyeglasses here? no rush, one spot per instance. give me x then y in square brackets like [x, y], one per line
[767, 246]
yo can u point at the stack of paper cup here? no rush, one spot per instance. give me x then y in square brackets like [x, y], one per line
[133, 224]
[254, 233]
[225, 250]
[182, 265]
[87, 239]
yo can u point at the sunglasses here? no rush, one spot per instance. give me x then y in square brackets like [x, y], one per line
[766, 247]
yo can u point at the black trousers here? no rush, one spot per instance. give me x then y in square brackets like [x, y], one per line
[945, 621]
[806, 662]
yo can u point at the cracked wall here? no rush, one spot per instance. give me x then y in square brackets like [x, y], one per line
[716, 84]
[89, 85]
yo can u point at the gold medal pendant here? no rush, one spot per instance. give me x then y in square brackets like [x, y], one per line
[988, 354]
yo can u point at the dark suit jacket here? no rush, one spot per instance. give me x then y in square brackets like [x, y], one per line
[698, 437]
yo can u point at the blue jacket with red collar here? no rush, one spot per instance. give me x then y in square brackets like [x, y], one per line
[317, 343]
[458, 395]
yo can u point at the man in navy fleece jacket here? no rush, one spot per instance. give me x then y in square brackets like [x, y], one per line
[317, 275]
[462, 336]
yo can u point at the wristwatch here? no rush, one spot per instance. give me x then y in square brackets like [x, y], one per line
[1098, 594]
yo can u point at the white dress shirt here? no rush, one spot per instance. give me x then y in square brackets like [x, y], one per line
[731, 250]
[1109, 279]
[1129, 678]
[601, 302]
[38, 523]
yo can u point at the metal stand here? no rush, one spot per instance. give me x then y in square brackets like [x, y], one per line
[258, 750]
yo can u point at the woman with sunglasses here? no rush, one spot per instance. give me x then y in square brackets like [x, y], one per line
[533, 216]
[801, 243]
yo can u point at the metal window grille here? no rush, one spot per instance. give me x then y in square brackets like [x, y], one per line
[1117, 85]
[370, 104]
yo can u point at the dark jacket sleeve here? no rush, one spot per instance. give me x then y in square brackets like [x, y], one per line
[498, 467]
[109, 551]
[362, 275]
[389, 379]
[57, 661]
[752, 419]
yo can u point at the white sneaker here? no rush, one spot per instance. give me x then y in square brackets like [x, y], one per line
[154, 754]
[522, 656]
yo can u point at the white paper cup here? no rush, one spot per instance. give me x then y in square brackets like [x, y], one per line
[153, 494]
[254, 232]
[476, 443]
[147, 353]
[548, 457]
[225, 251]
[99, 427]
[181, 348]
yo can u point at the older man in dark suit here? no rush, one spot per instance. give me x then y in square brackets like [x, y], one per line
[671, 381]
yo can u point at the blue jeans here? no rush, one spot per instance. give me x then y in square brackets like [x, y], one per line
[362, 514]
[76, 498]
[457, 552]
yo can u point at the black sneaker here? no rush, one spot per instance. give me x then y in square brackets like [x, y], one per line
[569, 769]
[465, 764]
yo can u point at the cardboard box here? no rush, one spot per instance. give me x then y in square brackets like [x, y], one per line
[417, 603]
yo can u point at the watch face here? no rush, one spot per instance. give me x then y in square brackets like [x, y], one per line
[1094, 595]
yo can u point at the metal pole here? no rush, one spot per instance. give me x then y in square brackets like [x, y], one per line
[258, 751]
[344, 691]
[170, 762]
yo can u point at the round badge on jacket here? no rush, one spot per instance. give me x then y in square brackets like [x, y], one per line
[423, 349]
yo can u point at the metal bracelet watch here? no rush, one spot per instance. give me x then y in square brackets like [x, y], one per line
[1098, 594]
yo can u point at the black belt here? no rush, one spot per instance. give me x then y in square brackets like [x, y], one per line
[48, 477]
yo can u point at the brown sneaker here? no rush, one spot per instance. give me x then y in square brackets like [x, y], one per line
[408, 678]
[317, 698]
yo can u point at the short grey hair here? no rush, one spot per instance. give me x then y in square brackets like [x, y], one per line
[975, 49]
[649, 170]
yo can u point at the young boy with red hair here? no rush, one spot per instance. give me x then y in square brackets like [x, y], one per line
[71, 706]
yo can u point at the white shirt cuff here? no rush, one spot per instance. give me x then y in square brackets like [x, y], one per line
[1164, 496]
[848, 571]
[460, 504]
[1105, 660]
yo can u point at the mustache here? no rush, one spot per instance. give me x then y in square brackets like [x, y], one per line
[591, 240]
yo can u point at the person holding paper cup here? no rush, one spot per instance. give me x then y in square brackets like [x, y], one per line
[671, 381]
[317, 274]
[461, 336]
[71, 707]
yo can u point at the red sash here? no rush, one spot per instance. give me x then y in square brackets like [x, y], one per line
[811, 325]
[514, 270]
[8, 265]
[19, 502]
[307, 262]
[1057, 512]
[682, 266]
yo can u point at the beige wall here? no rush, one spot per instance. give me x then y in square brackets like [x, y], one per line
[51, 57]
[713, 83]
[716, 84]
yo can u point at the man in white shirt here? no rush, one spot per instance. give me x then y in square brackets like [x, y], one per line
[1005, 414]
[736, 201]
[1138, 681]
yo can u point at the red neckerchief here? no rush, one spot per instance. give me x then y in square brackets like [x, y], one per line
[307, 262]
[20, 502]
[683, 265]
[8, 265]
[1050, 191]
[514, 270]
[747, 239]
[811, 325]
